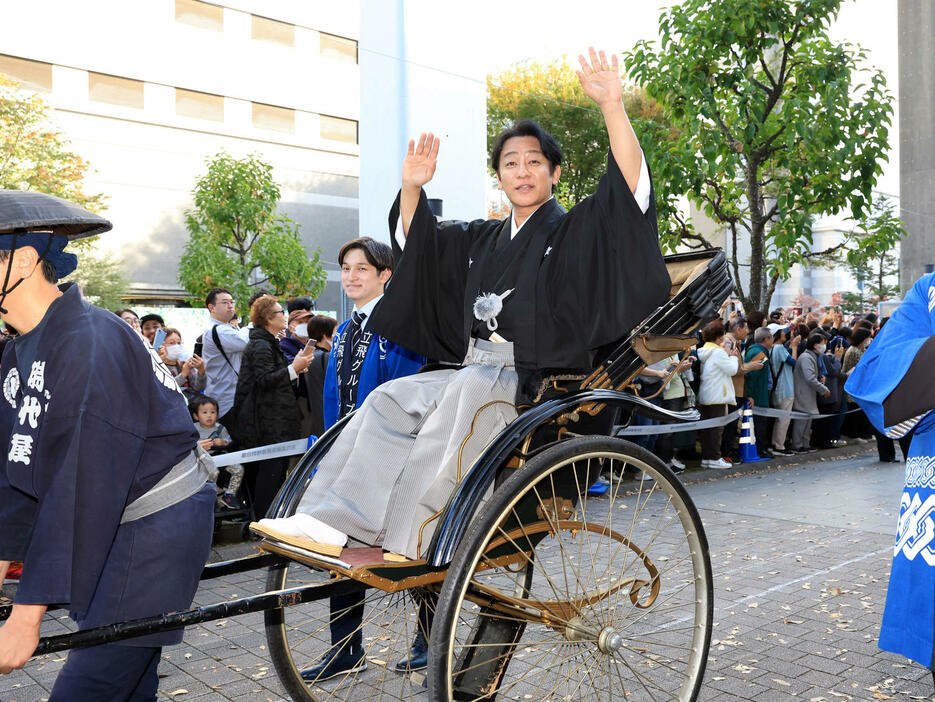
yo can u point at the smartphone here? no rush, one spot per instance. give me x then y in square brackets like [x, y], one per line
[199, 348]
[159, 338]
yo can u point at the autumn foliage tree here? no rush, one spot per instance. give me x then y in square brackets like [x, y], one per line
[774, 124]
[238, 239]
[551, 94]
[34, 155]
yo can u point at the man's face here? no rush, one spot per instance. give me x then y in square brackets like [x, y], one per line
[150, 327]
[131, 319]
[223, 308]
[361, 280]
[525, 174]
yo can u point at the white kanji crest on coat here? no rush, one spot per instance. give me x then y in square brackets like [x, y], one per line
[36, 379]
[11, 387]
[20, 449]
[30, 411]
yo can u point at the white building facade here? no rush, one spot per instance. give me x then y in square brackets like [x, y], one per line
[147, 92]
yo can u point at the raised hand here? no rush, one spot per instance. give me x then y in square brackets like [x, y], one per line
[419, 163]
[600, 79]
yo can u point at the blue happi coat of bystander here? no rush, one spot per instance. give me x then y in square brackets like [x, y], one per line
[909, 616]
[384, 361]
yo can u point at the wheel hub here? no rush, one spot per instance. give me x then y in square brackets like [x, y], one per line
[609, 640]
[577, 629]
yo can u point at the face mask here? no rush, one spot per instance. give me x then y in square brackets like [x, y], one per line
[176, 353]
[820, 348]
[301, 330]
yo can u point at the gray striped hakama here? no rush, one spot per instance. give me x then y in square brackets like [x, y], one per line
[396, 463]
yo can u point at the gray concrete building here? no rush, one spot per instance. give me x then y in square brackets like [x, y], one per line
[917, 138]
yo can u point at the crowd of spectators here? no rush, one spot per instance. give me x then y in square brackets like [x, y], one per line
[791, 363]
[264, 382]
[250, 384]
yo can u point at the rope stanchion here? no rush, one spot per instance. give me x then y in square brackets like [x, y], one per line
[654, 429]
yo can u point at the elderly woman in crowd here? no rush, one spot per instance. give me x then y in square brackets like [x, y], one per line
[716, 392]
[809, 386]
[265, 403]
[188, 371]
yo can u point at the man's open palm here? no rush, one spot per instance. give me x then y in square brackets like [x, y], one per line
[600, 79]
[419, 164]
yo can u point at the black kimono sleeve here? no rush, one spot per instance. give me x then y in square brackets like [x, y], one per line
[605, 272]
[423, 308]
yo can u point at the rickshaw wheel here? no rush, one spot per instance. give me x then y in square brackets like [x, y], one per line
[298, 636]
[620, 602]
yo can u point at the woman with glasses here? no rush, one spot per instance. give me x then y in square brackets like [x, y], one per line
[264, 403]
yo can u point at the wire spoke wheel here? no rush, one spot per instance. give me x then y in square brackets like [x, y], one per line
[558, 595]
[300, 635]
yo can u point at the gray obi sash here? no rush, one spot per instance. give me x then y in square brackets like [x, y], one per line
[184, 479]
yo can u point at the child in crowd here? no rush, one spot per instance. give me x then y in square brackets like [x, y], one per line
[214, 436]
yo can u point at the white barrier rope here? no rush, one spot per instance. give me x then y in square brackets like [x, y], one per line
[300, 446]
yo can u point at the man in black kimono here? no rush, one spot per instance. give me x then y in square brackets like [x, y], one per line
[102, 494]
[507, 300]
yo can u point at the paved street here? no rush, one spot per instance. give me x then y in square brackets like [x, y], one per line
[801, 557]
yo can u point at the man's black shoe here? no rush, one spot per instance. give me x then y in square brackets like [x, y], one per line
[418, 655]
[338, 661]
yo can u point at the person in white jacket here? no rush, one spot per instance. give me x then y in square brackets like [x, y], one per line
[716, 392]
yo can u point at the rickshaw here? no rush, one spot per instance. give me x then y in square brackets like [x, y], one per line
[531, 586]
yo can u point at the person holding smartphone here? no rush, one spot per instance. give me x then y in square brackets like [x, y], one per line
[188, 370]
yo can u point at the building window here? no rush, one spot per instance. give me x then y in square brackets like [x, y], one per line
[339, 129]
[189, 103]
[200, 14]
[272, 31]
[279, 119]
[115, 91]
[33, 75]
[338, 47]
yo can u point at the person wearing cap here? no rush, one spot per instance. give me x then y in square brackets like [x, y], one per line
[103, 493]
[150, 324]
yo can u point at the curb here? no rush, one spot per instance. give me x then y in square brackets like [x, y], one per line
[694, 474]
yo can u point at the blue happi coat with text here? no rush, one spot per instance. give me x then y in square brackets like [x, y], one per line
[909, 616]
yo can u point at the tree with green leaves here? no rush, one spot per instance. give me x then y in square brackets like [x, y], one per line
[34, 155]
[551, 95]
[238, 240]
[870, 258]
[774, 124]
[101, 279]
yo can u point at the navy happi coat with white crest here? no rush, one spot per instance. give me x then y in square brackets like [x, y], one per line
[90, 419]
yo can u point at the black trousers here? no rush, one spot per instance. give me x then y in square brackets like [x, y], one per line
[886, 449]
[264, 478]
[729, 446]
[109, 673]
[347, 616]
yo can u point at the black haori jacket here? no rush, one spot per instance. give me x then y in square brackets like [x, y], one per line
[265, 404]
